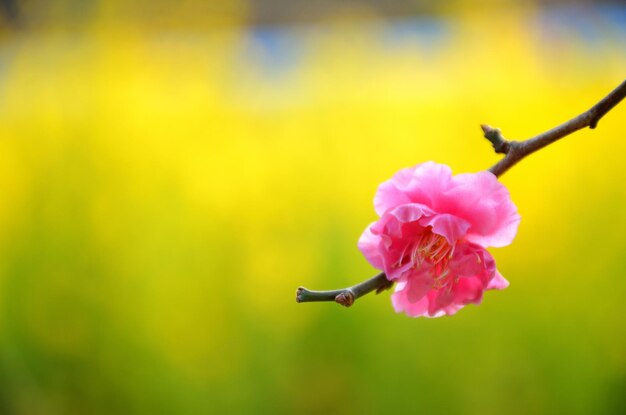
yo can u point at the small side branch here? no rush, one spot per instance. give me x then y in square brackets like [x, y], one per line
[516, 150]
[345, 296]
[500, 144]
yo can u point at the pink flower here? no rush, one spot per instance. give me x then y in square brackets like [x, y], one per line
[432, 234]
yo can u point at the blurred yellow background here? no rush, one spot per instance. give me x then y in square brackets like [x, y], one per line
[170, 174]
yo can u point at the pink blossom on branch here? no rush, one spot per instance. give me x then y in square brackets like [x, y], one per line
[434, 228]
[432, 234]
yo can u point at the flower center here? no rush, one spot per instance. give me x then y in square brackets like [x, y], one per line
[434, 249]
[431, 247]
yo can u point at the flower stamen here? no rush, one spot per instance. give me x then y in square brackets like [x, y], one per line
[434, 249]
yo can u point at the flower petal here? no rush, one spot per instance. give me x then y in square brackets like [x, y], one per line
[418, 286]
[424, 183]
[498, 282]
[369, 245]
[471, 260]
[451, 227]
[468, 290]
[486, 204]
[410, 212]
[402, 304]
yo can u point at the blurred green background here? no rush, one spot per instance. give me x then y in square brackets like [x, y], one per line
[171, 172]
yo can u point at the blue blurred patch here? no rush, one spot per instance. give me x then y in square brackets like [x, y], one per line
[588, 24]
[426, 32]
[615, 14]
[276, 50]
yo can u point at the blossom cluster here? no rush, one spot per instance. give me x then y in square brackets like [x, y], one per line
[432, 235]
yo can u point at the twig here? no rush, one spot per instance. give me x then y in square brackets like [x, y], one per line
[514, 152]
[517, 150]
[346, 296]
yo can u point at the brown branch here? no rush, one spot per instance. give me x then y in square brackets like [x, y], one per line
[514, 152]
[517, 150]
[345, 296]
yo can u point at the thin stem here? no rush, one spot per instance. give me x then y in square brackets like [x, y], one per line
[514, 152]
[345, 296]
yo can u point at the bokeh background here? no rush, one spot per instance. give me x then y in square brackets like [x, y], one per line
[170, 172]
